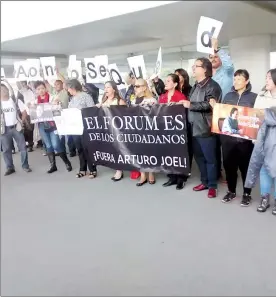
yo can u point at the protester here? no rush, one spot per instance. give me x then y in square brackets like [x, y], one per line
[144, 97]
[267, 98]
[112, 97]
[223, 73]
[28, 99]
[223, 68]
[237, 151]
[48, 132]
[11, 128]
[81, 100]
[263, 161]
[159, 85]
[200, 119]
[172, 96]
[185, 88]
[60, 96]
[130, 94]
[184, 80]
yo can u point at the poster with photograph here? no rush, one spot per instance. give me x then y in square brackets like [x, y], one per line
[44, 112]
[237, 121]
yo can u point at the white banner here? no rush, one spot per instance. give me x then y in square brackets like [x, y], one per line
[34, 70]
[116, 76]
[102, 68]
[21, 70]
[49, 68]
[3, 73]
[207, 29]
[158, 66]
[69, 122]
[91, 70]
[137, 66]
[75, 71]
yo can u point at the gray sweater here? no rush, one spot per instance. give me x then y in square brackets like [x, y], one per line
[264, 153]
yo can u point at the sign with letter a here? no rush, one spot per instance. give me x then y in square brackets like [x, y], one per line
[207, 29]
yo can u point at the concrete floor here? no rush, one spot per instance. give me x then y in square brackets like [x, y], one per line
[67, 237]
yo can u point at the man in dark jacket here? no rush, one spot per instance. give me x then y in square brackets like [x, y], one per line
[236, 151]
[200, 119]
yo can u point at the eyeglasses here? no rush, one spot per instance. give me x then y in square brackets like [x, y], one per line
[138, 86]
[197, 66]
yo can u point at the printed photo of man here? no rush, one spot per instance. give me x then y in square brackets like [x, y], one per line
[230, 124]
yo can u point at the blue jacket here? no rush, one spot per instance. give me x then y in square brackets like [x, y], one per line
[225, 74]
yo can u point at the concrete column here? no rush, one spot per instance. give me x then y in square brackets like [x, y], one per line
[253, 54]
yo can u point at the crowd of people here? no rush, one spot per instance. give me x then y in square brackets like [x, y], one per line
[216, 81]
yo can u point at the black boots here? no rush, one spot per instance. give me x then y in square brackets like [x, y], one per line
[64, 158]
[52, 159]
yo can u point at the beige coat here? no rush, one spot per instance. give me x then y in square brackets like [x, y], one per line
[265, 100]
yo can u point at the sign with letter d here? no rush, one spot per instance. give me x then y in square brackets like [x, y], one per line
[207, 29]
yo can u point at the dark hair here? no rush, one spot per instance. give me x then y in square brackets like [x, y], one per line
[207, 65]
[273, 75]
[186, 87]
[130, 74]
[115, 88]
[175, 79]
[242, 72]
[39, 83]
[59, 80]
[234, 109]
[73, 84]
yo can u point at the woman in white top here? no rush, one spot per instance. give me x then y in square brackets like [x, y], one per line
[267, 98]
[112, 97]
[144, 97]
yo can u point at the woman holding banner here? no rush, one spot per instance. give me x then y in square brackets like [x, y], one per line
[143, 96]
[81, 100]
[112, 97]
[48, 132]
[173, 96]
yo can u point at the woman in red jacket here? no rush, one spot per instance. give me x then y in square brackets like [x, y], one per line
[173, 95]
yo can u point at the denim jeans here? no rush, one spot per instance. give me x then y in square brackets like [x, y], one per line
[7, 147]
[70, 143]
[266, 183]
[205, 150]
[51, 140]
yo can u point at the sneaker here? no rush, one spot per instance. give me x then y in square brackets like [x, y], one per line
[212, 193]
[200, 187]
[274, 209]
[27, 170]
[264, 204]
[228, 197]
[246, 200]
[9, 171]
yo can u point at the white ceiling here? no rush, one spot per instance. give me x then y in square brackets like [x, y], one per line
[171, 26]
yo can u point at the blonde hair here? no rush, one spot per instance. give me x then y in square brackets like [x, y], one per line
[147, 93]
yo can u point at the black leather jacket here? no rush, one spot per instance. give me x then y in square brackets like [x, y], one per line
[200, 112]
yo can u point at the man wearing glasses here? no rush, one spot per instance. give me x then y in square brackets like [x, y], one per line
[203, 95]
